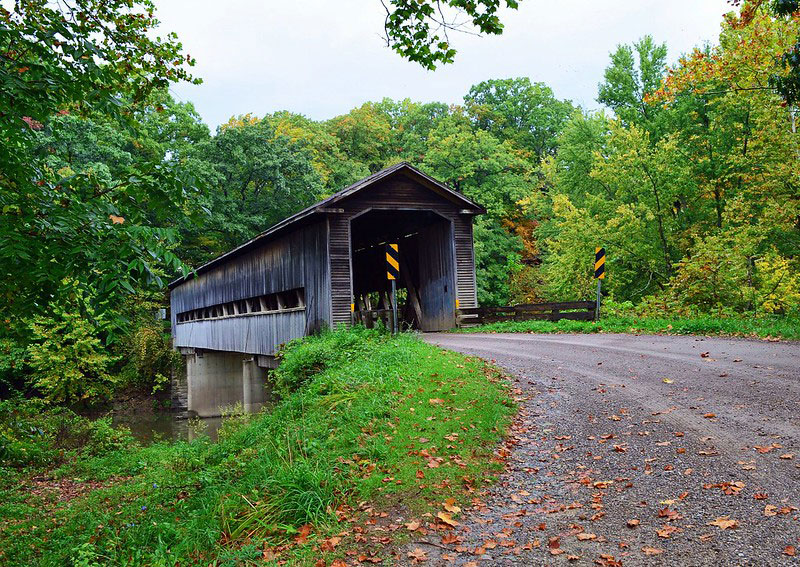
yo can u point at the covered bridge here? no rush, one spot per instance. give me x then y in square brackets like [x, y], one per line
[319, 268]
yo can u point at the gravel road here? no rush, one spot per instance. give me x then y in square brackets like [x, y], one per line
[637, 450]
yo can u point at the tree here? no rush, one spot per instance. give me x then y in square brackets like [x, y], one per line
[411, 126]
[786, 78]
[335, 168]
[256, 180]
[495, 174]
[419, 29]
[364, 135]
[518, 110]
[94, 59]
[635, 72]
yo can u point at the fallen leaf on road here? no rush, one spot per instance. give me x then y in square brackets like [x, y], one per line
[789, 550]
[667, 531]
[787, 456]
[554, 544]
[724, 523]
[652, 550]
[633, 523]
[586, 537]
[447, 519]
[710, 415]
[669, 514]
[770, 510]
[450, 506]
[418, 555]
[760, 495]
[667, 381]
[412, 525]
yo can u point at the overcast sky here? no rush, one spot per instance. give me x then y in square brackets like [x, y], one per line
[323, 57]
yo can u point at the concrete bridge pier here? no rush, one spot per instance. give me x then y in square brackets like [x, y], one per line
[212, 381]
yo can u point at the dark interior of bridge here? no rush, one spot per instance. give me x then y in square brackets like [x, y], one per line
[426, 296]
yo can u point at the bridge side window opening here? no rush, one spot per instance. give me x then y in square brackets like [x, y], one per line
[280, 302]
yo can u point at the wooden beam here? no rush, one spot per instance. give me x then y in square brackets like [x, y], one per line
[412, 295]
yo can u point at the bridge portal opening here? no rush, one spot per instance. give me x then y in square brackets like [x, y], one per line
[426, 286]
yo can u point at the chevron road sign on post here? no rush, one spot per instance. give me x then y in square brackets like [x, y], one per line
[392, 273]
[599, 274]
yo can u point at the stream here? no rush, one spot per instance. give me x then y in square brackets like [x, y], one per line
[153, 427]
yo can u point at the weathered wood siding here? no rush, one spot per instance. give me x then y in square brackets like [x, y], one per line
[317, 277]
[436, 276]
[341, 272]
[398, 192]
[296, 260]
[250, 334]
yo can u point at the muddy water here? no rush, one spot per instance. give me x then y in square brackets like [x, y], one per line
[153, 427]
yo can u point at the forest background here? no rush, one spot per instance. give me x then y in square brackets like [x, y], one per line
[110, 187]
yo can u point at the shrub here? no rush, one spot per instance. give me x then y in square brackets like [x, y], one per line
[302, 359]
[69, 361]
[147, 348]
[33, 433]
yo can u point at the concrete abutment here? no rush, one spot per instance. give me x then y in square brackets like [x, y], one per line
[211, 381]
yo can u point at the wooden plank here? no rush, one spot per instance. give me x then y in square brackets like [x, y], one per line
[564, 305]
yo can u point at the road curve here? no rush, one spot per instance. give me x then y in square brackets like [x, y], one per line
[640, 450]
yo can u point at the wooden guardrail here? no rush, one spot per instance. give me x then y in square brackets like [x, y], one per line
[573, 310]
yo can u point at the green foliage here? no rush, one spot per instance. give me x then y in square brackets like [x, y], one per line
[516, 109]
[147, 352]
[497, 255]
[733, 326]
[418, 30]
[302, 359]
[68, 360]
[76, 201]
[33, 434]
[329, 443]
[635, 72]
[253, 179]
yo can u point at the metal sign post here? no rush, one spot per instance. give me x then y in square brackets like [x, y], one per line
[599, 274]
[392, 273]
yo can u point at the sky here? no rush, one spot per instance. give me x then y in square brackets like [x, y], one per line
[322, 58]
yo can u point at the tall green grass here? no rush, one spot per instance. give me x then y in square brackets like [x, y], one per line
[358, 407]
[763, 327]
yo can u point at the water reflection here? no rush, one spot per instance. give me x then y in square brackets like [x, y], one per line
[150, 428]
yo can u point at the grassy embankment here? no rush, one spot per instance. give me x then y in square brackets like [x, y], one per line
[763, 327]
[369, 424]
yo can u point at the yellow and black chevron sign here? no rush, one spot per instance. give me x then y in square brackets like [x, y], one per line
[600, 263]
[392, 262]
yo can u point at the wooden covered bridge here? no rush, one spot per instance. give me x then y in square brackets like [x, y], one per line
[321, 267]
